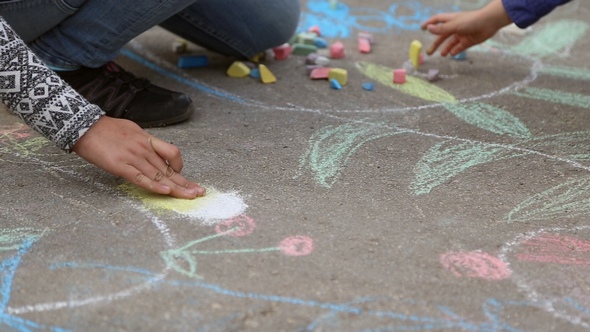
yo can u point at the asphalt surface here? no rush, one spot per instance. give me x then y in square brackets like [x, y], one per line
[457, 205]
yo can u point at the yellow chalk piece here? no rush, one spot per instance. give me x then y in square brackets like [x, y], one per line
[339, 74]
[238, 69]
[266, 76]
[415, 50]
[414, 86]
[258, 57]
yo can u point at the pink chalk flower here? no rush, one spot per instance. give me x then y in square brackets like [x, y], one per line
[239, 226]
[475, 265]
[297, 245]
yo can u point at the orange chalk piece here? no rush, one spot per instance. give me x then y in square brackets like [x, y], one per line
[238, 69]
[315, 29]
[337, 50]
[266, 76]
[364, 45]
[399, 76]
[339, 74]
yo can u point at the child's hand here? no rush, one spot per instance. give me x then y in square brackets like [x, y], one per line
[122, 148]
[466, 29]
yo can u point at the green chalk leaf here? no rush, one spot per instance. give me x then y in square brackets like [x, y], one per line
[13, 239]
[559, 97]
[567, 200]
[490, 118]
[552, 38]
[331, 147]
[448, 159]
[573, 146]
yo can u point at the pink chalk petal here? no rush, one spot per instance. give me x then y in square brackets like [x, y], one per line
[475, 265]
[239, 226]
[298, 245]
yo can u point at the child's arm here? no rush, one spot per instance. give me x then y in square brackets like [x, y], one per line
[466, 29]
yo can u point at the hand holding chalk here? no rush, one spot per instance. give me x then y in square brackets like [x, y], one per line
[122, 148]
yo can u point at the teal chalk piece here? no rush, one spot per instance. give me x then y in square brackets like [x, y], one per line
[461, 56]
[193, 61]
[334, 84]
[368, 86]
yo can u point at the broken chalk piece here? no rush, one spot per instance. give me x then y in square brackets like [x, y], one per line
[364, 45]
[421, 59]
[338, 74]
[303, 49]
[266, 76]
[179, 46]
[310, 68]
[255, 73]
[315, 29]
[368, 86]
[461, 56]
[322, 61]
[258, 57]
[282, 52]
[399, 76]
[321, 73]
[337, 50]
[335, 84]
[367, 36]
[306, 38]
[238, 69]
[433, 75]
[320, 43]
[311, 58]
[415, 50]
[193, 61]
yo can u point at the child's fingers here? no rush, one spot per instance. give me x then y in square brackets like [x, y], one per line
[438, 19]
[449, 46]
[439, 41]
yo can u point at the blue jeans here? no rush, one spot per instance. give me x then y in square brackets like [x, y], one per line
[74, 33]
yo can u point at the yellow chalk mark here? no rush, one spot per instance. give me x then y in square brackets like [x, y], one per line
[414, 86]
[167, 203]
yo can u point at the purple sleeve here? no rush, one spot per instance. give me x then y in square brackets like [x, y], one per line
[526, 12]
[38, 96]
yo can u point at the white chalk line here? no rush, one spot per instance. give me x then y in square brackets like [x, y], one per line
[521, 283]
[160, 226]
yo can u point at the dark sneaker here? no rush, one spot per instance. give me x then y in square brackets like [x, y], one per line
[122, 95]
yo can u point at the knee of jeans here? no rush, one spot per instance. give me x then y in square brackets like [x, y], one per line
[279, 28]
[74, 3]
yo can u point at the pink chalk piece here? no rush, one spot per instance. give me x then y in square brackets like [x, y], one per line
[337, 50]
[315, 29]
[475, 265]
[367, 36]
[282, 52]
[321, 73]
[238, 226]
[364, 45]
[399, 76]
[297, 245]
[553, 248]
[421, 59]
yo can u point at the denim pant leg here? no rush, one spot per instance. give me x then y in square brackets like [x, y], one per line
[240, 28]
[99, 29]
[32, 18]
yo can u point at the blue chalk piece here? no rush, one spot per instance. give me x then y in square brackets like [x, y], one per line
[255, 72]
[320, 43]
[334, 84]
[460, 56]
[369, 86]
[193, 61]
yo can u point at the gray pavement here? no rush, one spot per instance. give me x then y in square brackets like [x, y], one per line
[460, 205]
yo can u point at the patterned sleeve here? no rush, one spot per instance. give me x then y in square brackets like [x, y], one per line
[38, 96]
